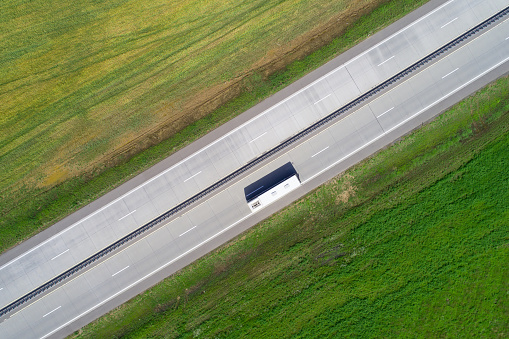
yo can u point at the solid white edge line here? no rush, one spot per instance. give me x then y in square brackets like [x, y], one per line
[128, 214]
[319, 152]
[189, 230]
[51, 311]
[146, 276]
[125, 268]
[231, 132]
[380, 64]
[247, 216]
[258, 137]
[1, 288]
[388, 38]
[56, 256]
[409, 118]
[450, 22]
[445, 76]
[192, 176]
[325, 97]
[390, 109]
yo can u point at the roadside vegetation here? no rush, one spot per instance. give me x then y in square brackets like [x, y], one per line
[412, 242]
[92, 94]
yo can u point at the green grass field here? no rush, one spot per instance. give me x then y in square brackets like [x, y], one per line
[412, 242]
[84, 84]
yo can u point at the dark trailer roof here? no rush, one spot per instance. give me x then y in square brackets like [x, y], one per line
[269, 181]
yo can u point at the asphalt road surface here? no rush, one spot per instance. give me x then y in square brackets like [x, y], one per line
[225, 213]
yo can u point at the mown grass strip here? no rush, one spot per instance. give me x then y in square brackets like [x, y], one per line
[45, 207]
[411, 242]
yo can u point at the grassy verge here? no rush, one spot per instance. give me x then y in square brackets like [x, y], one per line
[412, 242]
[30, 209]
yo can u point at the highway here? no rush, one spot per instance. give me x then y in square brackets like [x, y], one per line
[214, 218]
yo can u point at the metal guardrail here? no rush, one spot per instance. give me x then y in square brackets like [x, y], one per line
[87, 262]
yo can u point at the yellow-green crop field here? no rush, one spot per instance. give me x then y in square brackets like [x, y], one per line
[80, 80]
